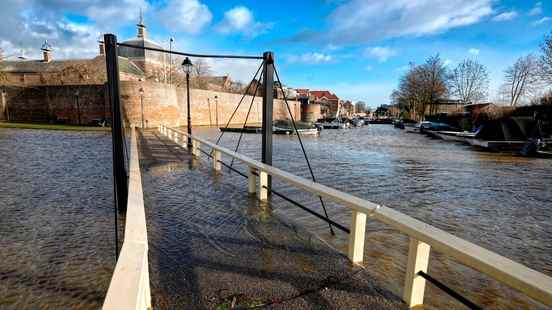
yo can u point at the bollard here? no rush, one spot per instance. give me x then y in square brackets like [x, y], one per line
[195, 147]
[252, 180]
[418, 260]
[262, 193]
[216, 161]
[356, 237]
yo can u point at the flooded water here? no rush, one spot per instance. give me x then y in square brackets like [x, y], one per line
[56, 219]
[56, 210]
[498, 201]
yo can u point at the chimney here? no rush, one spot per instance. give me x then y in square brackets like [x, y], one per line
[102, 48]
[46, 52]
[141, 26]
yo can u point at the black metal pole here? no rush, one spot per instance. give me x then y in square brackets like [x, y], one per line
[142, 108]
[188, 112]
[209, 108]
[268, 100]
[78, 110]
[216, 110]
[119, 172]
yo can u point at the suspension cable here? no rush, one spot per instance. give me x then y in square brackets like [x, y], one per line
[302, 146]
[240, 102]
[246, 118]
[188, 54]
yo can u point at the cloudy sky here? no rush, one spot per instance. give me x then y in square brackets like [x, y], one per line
[356, 48]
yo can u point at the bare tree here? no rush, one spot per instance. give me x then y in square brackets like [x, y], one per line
[421, 87]
[545, 61]
[469, 81]
[201, 68]
[521, 79]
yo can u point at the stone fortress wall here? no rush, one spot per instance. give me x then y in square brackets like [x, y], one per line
[161, 103]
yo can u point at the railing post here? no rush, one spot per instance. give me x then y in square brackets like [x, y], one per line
[418, 260]
[262, 192]
[356, 237]
[119, 172]
[195, 147]
[216, 160]
[268, 100]
[252, 180]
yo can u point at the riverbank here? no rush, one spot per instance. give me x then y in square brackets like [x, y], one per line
[52, 127]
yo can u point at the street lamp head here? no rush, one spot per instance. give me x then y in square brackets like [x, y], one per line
[187, 65]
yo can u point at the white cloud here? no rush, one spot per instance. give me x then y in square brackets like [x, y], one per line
[238, 69]
[541, 21]
[361, 21]
[368, 68]
[536, 10]
[310, 58]
[241, 20]
[474, 51]
[447, 62]
[402, 68]
[188, 16]
[26, 24]
[505, 16]
[382, 54]
[374, 94]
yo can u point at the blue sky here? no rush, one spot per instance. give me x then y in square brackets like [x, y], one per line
[358, 49]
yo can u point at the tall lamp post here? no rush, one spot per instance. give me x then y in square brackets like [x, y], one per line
[216, 110]
[187, 65]
[78, 106]
[171, 40]
[141, 91]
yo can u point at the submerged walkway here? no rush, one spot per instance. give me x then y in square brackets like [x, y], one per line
[213, 246]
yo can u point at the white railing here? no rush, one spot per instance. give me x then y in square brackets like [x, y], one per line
[422, 236]
[129, 287]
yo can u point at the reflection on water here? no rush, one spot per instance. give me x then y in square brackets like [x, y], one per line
[57, 229]
[56, 219]
[498, 201]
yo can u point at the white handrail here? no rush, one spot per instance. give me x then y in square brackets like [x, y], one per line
[423, 236]
[129, 287]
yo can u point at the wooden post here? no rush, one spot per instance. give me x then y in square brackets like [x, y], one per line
[195, 147]
[262, 192]
[216, 161]
[418, 260]
[356, 237]
[252, 180]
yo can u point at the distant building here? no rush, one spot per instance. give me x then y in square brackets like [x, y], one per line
[441, 106]
[48, 71]
[327, 100]
[134, 64]
[347, 108]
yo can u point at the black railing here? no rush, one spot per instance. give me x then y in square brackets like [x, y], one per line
[452, 293]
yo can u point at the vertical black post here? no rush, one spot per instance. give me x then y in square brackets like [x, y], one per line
[188, 111]
[119, 172]
[78, 107]
[268, 99]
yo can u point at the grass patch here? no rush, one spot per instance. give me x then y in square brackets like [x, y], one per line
[53, 127]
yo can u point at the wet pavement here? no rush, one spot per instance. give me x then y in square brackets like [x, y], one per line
[213, 246]
[57, 246]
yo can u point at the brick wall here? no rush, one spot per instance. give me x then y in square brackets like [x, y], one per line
[167, 103]
[161, 102]
[56, 104]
